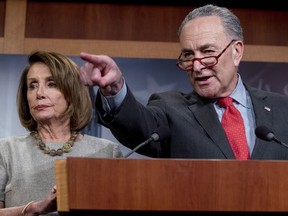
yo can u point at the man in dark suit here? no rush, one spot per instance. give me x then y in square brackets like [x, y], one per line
[211, 40]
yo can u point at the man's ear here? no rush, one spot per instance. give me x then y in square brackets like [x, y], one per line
[237, 52]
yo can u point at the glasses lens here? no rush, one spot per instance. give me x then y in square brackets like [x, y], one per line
[185, 65]
[208, 61]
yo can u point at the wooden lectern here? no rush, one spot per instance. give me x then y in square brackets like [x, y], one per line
[95, 186]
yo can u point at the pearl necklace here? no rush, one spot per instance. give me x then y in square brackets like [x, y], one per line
[53, 152]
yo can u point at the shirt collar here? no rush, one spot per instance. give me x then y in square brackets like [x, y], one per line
[238, 95]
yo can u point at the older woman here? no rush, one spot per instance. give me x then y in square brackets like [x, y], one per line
[54, 106]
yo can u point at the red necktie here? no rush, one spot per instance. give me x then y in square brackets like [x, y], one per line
[233, 125]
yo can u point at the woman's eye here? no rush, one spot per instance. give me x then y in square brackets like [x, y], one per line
[52, 85]
[32, 86]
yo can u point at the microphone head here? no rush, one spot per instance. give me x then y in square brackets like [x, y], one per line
[161, 133]
[264, 133]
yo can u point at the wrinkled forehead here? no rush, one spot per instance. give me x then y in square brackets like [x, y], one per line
[201, 30]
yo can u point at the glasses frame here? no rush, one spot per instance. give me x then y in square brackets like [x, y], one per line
[200, 59]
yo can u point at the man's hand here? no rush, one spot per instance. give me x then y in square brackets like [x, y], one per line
[101, 71]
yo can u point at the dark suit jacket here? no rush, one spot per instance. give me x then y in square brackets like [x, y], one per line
[196, 131]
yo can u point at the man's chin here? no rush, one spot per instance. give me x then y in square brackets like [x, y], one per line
[206, 93]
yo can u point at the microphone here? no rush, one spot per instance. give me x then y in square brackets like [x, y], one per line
[264, 133]
[161, 133]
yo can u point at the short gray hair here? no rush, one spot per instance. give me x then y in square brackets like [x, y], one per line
[230, 21]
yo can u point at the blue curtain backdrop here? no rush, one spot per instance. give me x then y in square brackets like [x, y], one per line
[144, 76]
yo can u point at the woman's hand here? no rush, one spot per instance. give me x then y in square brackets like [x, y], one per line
[44, 206]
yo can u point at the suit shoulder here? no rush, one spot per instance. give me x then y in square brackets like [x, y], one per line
[172, 95]
[267, 94]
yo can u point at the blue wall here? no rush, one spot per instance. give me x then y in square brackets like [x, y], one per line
[144, 76]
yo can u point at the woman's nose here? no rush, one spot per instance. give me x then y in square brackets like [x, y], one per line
[40, 92]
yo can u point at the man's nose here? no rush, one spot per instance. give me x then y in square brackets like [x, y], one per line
[197, 66]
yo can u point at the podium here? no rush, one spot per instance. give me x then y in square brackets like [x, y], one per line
[98, 186]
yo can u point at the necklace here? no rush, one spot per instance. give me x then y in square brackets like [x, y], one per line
[53, 152]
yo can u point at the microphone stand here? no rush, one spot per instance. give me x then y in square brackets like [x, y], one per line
[139, 146]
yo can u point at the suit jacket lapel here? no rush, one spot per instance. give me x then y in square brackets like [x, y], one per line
[207, 118]
[263, 111]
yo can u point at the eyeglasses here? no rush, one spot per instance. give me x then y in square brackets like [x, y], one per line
[208, 61]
